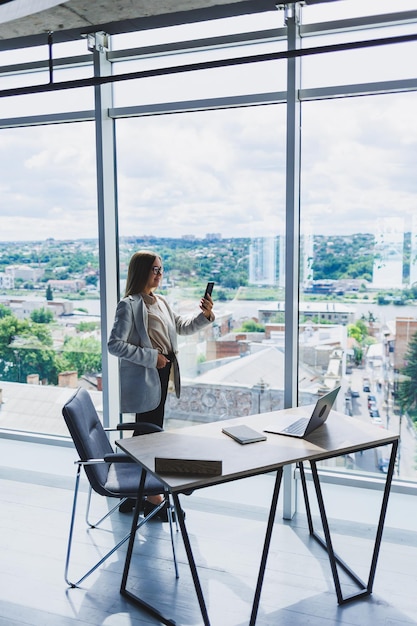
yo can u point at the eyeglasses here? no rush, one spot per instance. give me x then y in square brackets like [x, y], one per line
[157, 270]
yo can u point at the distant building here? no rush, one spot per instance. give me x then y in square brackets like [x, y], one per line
[339, 287]
[388, 255]
[60, 307]
[334, 312]
[306, 260]
[6, 281]
[25, 272]
[22, 307]
[263, 261]
[71, 286]
[324, 286]
[38, 408]
[405, 328]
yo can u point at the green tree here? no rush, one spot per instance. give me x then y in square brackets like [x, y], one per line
[250, 326]
[4, 310]
[8, 332]
[82, 354]
[359, 332]
[49, 293]
[42, 316]
[26, 348]
[407, 390]
[86, 327]
[91, 279]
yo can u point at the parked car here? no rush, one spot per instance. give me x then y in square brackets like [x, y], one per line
[382, 456]
[383, 465]
[373, 412]
[371, 399]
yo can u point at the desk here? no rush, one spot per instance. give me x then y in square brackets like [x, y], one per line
[340, 435]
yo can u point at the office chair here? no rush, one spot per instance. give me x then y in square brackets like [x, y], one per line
[110, 474]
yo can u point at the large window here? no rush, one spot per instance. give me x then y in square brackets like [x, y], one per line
[205, 167]
[206, 191]
[49, 296]
[358, 204]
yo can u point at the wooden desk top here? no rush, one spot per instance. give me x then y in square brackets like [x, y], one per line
[339, 435]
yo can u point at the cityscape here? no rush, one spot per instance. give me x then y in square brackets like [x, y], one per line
[54, 285]
[384, 261]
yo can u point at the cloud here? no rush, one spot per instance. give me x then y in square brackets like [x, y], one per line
[355, 167]
[44, 168]
[217, 171]
[211, 172]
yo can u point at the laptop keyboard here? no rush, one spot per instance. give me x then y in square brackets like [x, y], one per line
[298, 427]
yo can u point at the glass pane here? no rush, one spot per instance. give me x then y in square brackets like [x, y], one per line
[252, 78]
[25, 55]
[358, 222]
[389, 62]
[48, 102]
[327, 11]
[206, 191]
[41, 53]
[49, 298]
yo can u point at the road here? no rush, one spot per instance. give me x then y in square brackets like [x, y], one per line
[368, 461]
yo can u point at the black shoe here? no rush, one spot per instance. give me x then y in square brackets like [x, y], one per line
[162, 514]
[127, 505]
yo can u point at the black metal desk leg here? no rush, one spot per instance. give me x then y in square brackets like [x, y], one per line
[365, 589]
[141, 603]
[267, 543]
[133, 531]
[328, 545]
[306, 498]
[191, 561]
[384, 506]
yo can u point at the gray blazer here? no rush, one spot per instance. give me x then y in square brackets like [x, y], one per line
[140, 387]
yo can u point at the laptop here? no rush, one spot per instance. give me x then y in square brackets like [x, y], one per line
[305, 425]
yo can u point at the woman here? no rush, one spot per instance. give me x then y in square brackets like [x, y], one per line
[144, 338]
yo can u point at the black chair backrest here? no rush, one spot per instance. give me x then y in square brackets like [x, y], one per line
[89, 437]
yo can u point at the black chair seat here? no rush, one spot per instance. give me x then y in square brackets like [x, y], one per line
[123, 480]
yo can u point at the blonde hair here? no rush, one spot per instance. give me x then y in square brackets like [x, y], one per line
[138, 272]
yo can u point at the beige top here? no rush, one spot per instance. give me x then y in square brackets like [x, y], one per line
[158, 322]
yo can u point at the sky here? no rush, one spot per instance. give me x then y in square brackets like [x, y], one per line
[221, 171]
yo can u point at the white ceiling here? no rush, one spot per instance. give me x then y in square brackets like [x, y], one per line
[25, 18]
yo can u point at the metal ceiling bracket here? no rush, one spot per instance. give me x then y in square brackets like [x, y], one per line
[98, 42]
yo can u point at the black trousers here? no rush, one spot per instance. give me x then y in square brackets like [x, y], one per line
[156, 416]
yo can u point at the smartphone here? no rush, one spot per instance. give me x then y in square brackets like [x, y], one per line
[209, 289]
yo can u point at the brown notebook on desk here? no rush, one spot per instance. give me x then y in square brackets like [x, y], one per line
[203, 467]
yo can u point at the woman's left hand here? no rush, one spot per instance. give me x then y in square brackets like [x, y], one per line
[206, 305]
